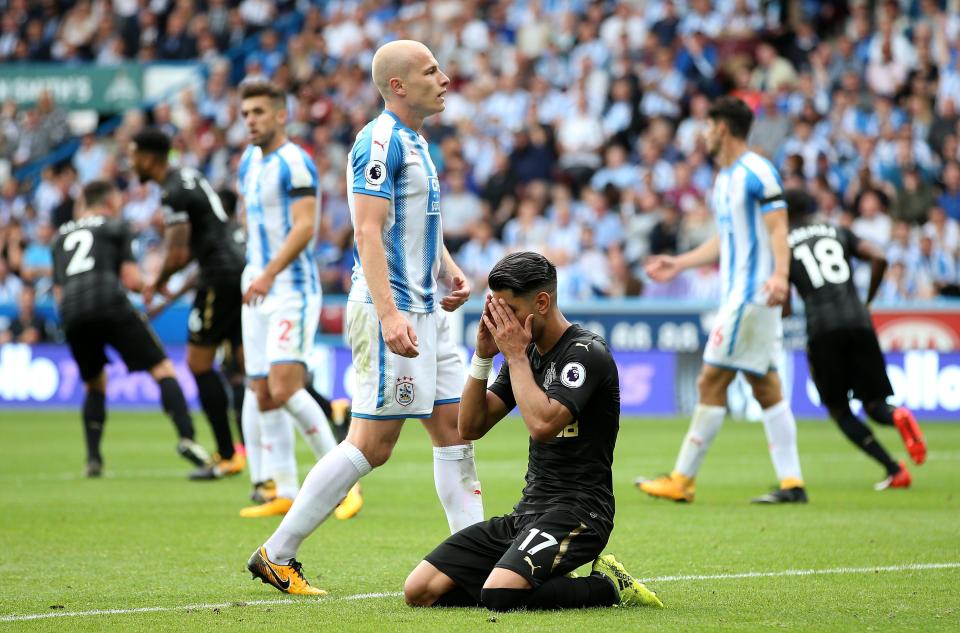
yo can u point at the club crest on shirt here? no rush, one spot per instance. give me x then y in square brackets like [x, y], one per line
[550, 376]
[573, 375]
[375, 172]
[405, 393]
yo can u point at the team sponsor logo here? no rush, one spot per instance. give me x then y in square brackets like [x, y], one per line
[405, 391]
[550, 376]
[573, 375]
[375, 172]
[917, 333]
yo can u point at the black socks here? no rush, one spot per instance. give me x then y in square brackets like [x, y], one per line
[559, 592]
[94, 417]
[175, 406]
[861, 435]
[213, 399]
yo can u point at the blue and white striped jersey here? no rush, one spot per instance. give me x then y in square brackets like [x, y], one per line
[392, 161]
[742, 194]
[269, 185]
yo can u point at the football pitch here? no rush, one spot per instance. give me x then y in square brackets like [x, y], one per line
[145, 550]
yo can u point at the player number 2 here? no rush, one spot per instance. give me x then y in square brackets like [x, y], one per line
[80, 242]
[826, 264]
[549, 540]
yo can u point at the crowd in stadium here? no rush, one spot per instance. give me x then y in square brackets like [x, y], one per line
[571, 128]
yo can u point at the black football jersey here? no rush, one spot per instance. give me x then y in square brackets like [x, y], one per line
[87, 256]
[572, 471]
[188, 197]
[820, 269]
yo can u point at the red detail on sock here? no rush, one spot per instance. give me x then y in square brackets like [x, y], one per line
[477, 492]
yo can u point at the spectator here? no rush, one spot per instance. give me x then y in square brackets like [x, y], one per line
[872, 221]
[528, 231]
[28, 327]
[913, 200]
[10, 285]
[479, 255]
[616, 170]
[773, 72]
[950, 198]
[936, 270]
[944, 231]
[897, 287]
[36, 267]
[663, 86]
[580, 137]
[89, 159]
[460, 209]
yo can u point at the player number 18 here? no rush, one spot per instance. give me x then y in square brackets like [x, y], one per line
[825, 264]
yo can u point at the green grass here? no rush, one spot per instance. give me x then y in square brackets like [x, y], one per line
[145, 537]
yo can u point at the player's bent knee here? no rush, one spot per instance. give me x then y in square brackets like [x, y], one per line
[163, 369]
[199, 363]
[425, 585]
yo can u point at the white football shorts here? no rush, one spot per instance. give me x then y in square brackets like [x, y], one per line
[392, 387]
[279, 330]
[746, 337]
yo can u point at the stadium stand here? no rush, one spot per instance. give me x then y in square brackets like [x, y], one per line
[572, 127]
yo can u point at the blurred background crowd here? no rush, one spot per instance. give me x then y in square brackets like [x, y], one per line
[572, 127]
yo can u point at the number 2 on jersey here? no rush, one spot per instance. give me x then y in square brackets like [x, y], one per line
[825, 264]
[80, 242]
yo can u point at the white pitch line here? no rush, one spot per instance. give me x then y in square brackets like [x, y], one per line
[397, 594]
[807, 572]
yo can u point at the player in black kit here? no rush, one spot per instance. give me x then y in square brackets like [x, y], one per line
[565, 382]
[197, 227]
[842, 346]
[93, 263]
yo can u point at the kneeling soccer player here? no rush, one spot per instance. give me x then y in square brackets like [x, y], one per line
[565, 382]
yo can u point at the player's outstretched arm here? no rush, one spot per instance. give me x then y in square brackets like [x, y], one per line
[371, 215]
[663, 268]
[303, 210]
[777, 286]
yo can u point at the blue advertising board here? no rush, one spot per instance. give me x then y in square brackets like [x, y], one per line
[45, 376]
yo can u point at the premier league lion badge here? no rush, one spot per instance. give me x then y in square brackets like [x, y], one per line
[405, 393]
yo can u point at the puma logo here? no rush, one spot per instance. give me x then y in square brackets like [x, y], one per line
[382, 146]
[585, 346]
[533, 568]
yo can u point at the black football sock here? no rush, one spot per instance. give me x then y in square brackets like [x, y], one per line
[880, 412]
[323, 402]
[861, 435]
[175, 406]
[504, 599]
[456, 597]
[561, 592]
[238, 391]
[213, 399]
[94, 417]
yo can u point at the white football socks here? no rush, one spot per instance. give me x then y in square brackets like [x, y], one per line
[704, 426]
[781, 430]
[313, 424]
[326, 485]
[250, 420]
[455, 476]
[279, 459]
